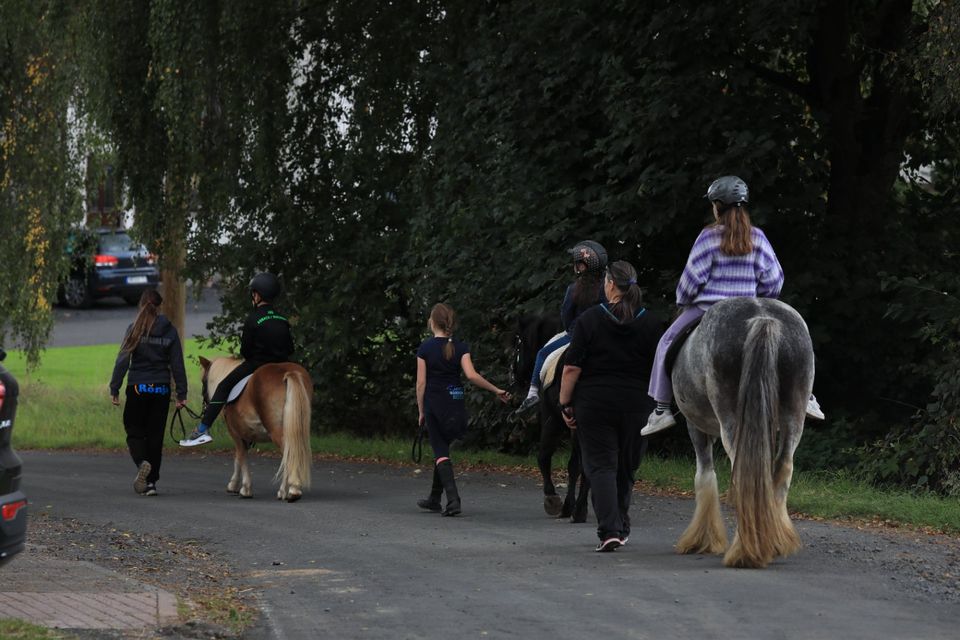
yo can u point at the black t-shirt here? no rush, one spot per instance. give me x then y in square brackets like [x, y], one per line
[441, 372]
[615, 359]
[266, 336]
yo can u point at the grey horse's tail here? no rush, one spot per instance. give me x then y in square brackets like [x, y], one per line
[751, 486]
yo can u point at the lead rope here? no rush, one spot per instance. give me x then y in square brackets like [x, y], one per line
[178, 417]
[416, 452]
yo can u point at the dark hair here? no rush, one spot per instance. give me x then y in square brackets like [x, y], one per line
[444, 319]
[736, 239]
[624, 277]
[586, 289]
[150, 302]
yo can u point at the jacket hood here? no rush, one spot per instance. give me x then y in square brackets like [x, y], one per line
[160, 326]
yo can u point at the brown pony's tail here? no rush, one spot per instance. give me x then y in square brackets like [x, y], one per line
[295, 463]
[751, 484]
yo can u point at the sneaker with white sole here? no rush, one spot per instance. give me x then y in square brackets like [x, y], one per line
[140, 482]
[658, 422]
[151, 489]
[196, 438]
[813, 409]
[610, 544]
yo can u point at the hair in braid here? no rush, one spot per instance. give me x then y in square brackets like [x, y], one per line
[150, 302]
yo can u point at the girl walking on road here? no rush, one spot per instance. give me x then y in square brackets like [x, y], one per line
[440, 401]
[149, 355]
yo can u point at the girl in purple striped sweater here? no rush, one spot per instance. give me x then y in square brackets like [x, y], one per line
[731, 258]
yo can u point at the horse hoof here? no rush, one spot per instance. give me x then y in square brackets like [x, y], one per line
[233, 492]
[293, 497]
[245, 494]
[578, 519]
[552, 505]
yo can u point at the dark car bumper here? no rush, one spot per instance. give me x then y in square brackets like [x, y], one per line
[13, 525]
[126, 283]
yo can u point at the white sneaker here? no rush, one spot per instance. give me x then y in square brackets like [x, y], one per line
[196, 438]
[813, 409]
[658, 422]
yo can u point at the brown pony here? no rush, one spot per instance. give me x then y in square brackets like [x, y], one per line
[274, 406]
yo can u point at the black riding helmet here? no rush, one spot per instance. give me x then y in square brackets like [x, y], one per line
[728, 190]
[591, 254]
[267, 285]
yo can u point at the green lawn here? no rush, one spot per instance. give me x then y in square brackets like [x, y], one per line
[65, 404]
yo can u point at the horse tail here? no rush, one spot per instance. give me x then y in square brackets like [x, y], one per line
[295, 463]
[751, 484]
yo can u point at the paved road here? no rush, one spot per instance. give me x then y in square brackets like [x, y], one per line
[105, 322]
[357, 559]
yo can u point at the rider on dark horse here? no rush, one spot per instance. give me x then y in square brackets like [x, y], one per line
[265, 339]
[589, 264]
[731, 258]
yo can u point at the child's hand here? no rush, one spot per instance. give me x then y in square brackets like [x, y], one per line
[503, 395]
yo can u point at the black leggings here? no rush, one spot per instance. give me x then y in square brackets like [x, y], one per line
[612, 448]
[219, 399]
[144, 420]
[446, 420]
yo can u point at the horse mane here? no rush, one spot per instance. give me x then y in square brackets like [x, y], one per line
[219, 368]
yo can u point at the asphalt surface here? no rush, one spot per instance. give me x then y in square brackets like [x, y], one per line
[356, 559]
[107, 319]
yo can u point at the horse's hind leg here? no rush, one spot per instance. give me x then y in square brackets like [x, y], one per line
[788, 540]
[577, 478]
[706, 532]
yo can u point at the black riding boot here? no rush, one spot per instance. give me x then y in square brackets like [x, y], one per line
[445, 471]
[433, 502]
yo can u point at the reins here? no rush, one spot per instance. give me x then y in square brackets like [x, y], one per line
[177, 416]
[416, 451]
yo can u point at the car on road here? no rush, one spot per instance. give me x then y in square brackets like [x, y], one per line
[13, 503]
[104, 263]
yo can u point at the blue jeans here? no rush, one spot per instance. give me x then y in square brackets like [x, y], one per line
[552, 345]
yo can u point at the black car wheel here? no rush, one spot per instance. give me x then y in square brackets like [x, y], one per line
[76, 293]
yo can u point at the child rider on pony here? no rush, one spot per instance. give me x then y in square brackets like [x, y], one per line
[265, 339]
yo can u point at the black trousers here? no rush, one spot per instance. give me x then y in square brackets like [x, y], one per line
[446, 420]
[144, 420]
[219, 398]
[612, 448]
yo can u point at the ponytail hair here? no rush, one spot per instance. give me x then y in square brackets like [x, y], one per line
[736, 239]
[443, 318]
[624, 278]
[150, 302]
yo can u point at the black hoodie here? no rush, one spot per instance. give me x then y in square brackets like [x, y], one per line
[153, 360]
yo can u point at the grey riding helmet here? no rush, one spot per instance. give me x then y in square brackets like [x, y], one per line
[267, 285]
[728, 190]
[591, 254]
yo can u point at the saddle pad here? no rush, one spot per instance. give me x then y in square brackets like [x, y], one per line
[238, 389]
[549, 372]
[674, 349]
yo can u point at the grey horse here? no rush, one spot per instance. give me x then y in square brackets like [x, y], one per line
[744, 375]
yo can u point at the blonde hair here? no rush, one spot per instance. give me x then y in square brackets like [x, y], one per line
[443, 318]
[736, 239]
[150, 302]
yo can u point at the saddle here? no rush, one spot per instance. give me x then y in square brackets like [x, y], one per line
[238, 389]
[677, 343]
[549, 372]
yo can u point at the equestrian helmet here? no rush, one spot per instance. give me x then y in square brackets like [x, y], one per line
[266, 284]
[728, 190]
[591, 254]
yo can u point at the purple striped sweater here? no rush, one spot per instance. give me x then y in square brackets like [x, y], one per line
[711, 275]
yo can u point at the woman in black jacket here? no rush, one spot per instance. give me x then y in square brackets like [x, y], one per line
[603, 396]
[150, 353]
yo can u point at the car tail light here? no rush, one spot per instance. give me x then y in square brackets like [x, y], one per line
[3, 394]
[151, 259]
[11, 509]
[105, 261]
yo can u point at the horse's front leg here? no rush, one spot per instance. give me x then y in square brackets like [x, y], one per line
[706, 533]
[549, 440]
[233, 487]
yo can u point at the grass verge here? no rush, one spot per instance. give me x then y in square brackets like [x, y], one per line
[20, 630]
[65, 404]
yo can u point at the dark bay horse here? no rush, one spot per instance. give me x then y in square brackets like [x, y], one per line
[533, 332]
[745, 375]
[274, 407]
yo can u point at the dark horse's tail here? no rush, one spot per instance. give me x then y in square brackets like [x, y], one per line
[751, 485]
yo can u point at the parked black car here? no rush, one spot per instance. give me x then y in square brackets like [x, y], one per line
[104, 263]
[13, 504]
